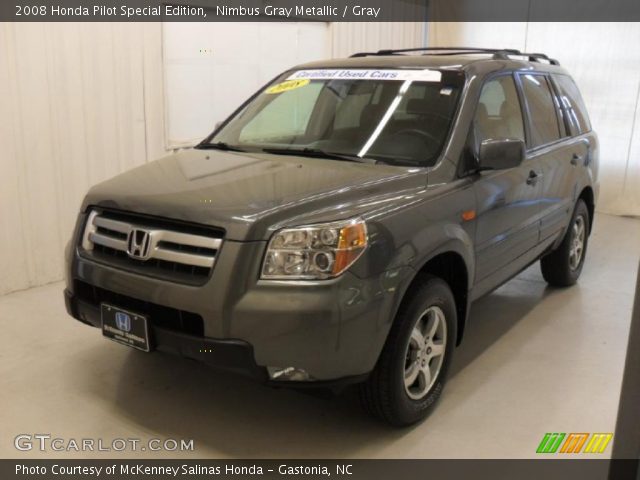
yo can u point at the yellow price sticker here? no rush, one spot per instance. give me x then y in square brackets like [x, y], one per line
[287, 85]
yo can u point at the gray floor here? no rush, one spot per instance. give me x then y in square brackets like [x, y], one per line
[534, 360]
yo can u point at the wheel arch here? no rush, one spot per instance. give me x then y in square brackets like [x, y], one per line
[452, 264]
[587, 195]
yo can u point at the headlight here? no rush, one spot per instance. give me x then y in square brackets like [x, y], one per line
[314, 252]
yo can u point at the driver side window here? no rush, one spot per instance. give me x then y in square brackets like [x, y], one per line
[498, 115]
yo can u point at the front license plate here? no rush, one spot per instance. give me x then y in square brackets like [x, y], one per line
[128, 328]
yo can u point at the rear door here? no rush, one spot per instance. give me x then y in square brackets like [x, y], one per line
[508, 212]
[576, 151]
[550, 146]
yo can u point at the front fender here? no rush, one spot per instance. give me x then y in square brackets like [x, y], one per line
[445, 239]
[427, 244]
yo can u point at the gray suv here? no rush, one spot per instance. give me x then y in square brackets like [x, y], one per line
[336, 228]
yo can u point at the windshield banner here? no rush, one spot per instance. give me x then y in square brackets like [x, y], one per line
[363, 74]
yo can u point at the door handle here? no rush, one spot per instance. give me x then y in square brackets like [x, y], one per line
[575, 158]
[533, 177]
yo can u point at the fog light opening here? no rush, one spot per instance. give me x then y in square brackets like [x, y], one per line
[288, 374]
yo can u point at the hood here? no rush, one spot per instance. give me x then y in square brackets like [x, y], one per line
[250, 195]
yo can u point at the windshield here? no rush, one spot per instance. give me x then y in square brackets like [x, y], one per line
[394, 116]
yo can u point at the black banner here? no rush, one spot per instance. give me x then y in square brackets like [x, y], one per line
[627, 438]
[321, 10]
[566, 469]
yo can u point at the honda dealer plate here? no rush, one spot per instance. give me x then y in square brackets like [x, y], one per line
[128, 328]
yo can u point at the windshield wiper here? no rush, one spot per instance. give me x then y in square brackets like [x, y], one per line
[317, 153]
[220, 146]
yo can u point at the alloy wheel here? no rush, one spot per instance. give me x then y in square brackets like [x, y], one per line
[578, 237]
[425, 352]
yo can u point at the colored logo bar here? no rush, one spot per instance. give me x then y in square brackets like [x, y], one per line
[574, 442]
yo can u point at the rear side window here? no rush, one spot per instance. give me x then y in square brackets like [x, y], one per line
[543, 117]
[573, 105]
[498, 115]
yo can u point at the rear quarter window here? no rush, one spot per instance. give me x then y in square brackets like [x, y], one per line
[573, 105]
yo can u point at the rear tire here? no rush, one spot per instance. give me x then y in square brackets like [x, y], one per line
[412, 369]
[562, 267]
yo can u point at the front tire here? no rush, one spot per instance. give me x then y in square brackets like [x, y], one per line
[562, 267]
[412, 369]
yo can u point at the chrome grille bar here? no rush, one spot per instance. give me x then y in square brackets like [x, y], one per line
[113, 225]
[188, 239]
[106, 241]
[185, 258]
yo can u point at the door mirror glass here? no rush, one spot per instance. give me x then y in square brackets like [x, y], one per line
[501, 154]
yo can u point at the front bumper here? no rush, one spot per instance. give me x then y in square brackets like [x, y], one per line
[332, 330]
[230, 355]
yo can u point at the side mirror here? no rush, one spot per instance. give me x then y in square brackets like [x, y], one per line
[501, 154]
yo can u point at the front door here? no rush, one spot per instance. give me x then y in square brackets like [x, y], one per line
[508, 201]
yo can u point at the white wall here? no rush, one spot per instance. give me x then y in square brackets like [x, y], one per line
[352, 37]
[81, 102]
[604, 59]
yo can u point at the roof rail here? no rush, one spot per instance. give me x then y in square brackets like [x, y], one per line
[536, 57]
[498, 53]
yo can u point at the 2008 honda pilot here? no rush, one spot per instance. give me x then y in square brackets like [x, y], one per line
[338, 225]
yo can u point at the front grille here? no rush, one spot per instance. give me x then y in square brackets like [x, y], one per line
[159, 316]
[166, 249]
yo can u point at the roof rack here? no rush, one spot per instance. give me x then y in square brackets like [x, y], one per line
[498, 53]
